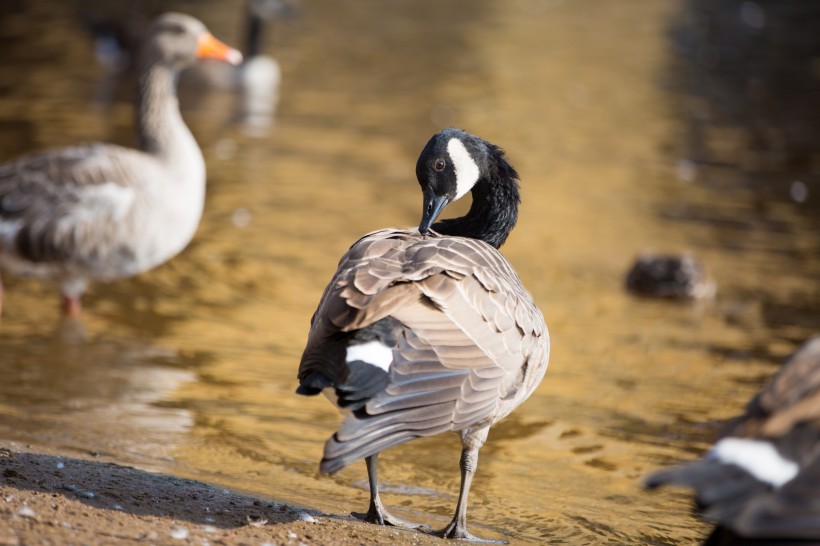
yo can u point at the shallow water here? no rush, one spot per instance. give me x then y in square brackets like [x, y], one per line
[190, 369]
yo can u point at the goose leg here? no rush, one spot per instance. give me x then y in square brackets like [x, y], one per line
[71, 306]
[457, 529]
[71, 290]
[376, 513]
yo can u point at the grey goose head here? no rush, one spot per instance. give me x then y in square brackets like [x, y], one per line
[178, 40]
[454, 163]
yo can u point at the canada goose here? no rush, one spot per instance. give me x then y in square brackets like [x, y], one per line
[260, 75]
[670, 276]
[426, 331]
[257, 80]
[100, 211]
[761, 480]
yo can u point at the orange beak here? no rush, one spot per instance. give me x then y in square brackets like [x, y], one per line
[209, 47]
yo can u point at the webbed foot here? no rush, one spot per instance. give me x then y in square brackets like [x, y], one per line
[456, 531]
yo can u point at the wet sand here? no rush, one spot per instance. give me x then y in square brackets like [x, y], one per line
[48, 497]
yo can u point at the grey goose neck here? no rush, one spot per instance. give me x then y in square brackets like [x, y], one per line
[161, 130]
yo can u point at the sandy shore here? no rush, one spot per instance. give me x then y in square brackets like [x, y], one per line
[47, 498]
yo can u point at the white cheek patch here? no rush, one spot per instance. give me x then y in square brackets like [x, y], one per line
[466, 168]
[758, 458]
[372, 352]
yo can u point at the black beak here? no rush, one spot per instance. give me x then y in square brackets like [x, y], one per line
[433, 205]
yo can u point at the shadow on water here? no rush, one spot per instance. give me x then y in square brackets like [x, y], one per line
[747, 80]
[749, 73]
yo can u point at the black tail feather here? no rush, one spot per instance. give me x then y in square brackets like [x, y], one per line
[313, 384]
[721, 490]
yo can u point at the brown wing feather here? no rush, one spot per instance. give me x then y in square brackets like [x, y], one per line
[791, 511]
[474, 344]
[791, 397]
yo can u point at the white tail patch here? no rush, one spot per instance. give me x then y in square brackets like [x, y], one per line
[758, 458]
[373, 352]
[465, 166]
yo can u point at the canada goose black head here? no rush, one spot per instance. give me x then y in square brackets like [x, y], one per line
[454, 163]
[263, 13]
[178, 40]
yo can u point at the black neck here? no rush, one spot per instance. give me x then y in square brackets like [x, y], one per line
[253, 35]
[494, 211]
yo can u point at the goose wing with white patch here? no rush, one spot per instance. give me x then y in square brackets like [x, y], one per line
[48, 199]
[751, 487]
[792, 511]
[473, 346]
[761, 479]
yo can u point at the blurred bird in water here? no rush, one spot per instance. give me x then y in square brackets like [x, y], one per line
[760, 483]
[670, 277]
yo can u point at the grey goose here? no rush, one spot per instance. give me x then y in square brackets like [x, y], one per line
[760, 483]
[427, 331]
[102, 212]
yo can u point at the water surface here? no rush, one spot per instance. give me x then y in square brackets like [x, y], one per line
[190, 369]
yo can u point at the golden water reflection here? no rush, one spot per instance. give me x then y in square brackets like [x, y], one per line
[191, 368]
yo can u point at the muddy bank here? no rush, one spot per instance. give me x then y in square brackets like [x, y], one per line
[51, 498]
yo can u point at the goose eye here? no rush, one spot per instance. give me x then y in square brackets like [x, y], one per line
[439, 164]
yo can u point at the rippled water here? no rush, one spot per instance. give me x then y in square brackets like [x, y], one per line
[190, 369]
